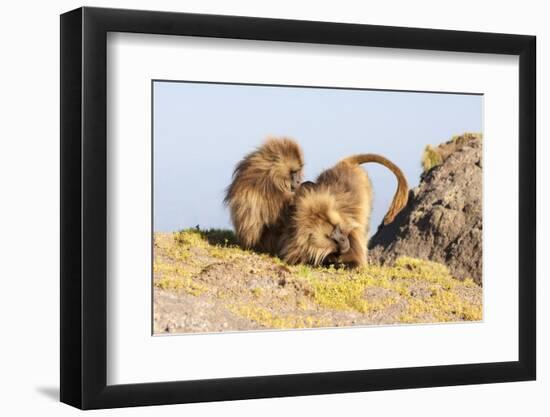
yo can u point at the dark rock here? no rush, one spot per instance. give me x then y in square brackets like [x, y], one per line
[443, 218]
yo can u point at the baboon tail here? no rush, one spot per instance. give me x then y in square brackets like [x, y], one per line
[401, 195]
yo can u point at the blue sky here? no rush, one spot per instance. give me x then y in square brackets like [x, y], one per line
[202, 130]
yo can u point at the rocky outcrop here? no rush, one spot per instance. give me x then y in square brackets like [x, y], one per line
[443, 218]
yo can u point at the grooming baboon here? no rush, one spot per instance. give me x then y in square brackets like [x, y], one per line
[263, 185]
[330, 218]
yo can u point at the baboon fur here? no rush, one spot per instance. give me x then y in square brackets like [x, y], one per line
[340, 200]
[263, 185]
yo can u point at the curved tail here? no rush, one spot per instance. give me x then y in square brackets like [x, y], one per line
[401, 195]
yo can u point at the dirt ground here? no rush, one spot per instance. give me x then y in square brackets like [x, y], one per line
[203, 283]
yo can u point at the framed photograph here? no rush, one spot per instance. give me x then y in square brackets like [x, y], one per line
[259, 208]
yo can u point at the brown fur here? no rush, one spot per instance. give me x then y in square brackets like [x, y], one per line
[261, 191]
[342, 197]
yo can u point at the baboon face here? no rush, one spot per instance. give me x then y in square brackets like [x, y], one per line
[340, 238]
[287, 176]
[317, 220]
[286, 167]
[326, 238]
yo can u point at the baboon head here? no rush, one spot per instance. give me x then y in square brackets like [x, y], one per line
[319, 230]
[273, 171]
[282, 162]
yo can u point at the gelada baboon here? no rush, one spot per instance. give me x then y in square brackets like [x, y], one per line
[263, 185]
[330, 218]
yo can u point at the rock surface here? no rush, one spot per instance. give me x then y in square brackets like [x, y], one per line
[202, 283]
[443, 219]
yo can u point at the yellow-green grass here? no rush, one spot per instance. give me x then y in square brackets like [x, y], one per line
[265, 291]
[434, 156]
[431, 158]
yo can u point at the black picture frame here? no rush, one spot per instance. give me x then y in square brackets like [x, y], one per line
[84, 207]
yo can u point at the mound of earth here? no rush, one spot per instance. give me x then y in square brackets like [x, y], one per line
[443, 219]
[202, 282]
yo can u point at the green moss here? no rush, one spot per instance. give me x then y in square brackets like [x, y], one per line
[347, 294]
[431, 158]
[268, 319]
[180, 283]
[165, 268]
[197, 237]
[434, 156]
[227, 253]
[434, 272]
[257, 292]
[465, 137]
[346, 290]
[303, 271]
[443, 306]
[174, 269]
[190, 238]
[217, 243]
[219, 237]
